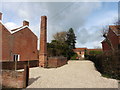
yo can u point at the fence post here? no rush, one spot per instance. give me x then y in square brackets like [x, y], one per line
[15, 65]
[26, 76]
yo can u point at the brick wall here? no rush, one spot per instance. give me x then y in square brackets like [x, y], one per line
[25, 44]
[20, 65]
[15, 79]
[5, 43]
[54, 62]
[12, 79]
[114, 40]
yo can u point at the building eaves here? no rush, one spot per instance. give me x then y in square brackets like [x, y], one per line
[1, 22]
[114, 29]
[16, 30]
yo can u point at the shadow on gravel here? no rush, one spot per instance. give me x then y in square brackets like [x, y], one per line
[31, 80]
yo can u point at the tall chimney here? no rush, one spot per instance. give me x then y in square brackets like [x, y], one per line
[0, 16]
[25, 23]
[43, 42]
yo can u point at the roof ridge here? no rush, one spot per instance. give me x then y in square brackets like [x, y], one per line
[114, 29]
[18, 29]
[1, 21]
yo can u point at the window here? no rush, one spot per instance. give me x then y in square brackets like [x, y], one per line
[16, 57]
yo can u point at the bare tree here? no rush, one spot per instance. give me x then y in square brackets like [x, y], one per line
[61, 36]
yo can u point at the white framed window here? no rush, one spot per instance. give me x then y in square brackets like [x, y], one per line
[16, 57]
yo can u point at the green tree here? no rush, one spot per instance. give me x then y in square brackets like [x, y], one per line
[71, 38]
[94, 53]
[59, 46]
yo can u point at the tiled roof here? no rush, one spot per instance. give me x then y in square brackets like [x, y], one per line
[115, 29]
[79, 49]
[82, 49]
[94, 49]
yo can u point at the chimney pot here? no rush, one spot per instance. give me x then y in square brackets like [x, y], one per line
[25, 23]
[0, 16]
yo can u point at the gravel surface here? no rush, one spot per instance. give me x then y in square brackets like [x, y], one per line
[75, 74]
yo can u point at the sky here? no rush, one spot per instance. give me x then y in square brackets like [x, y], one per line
[86, 18]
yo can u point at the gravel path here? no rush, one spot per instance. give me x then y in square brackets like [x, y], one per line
[76, 74]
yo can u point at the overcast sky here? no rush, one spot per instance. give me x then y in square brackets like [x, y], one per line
[86, 18]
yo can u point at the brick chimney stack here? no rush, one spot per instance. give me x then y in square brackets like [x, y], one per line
[43, 42]
[25, 23]
[0, 16]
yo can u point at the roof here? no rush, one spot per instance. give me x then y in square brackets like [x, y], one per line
[103, 41]
[1, 22]
[79, 49]
[18, 29]
[115, 29]
[14, 30]
[94, 49]
[82, 49]
[21, 28]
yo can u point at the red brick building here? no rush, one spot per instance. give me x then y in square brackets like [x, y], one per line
[19, 44]
[114, 37]
[80, 52]
[5, 47]
[24, 43]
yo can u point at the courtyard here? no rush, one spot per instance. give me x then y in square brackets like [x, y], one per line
[75, 74]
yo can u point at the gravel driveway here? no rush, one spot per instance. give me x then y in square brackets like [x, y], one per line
[75, 74]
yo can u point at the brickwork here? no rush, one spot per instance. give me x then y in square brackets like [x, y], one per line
[113, 37]
[25, 44]
[12, 79]
[5, 43]
[20, 65]
[22, 42]
[43, 42]
[54, 62]
[15, 79]
[25, 23]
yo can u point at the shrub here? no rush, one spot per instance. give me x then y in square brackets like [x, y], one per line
[108, 64]
[95, 53]
[74, 57]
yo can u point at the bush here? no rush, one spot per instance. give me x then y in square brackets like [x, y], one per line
[74, 57]
[58, 48]
[108, 64]
[95, 53]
